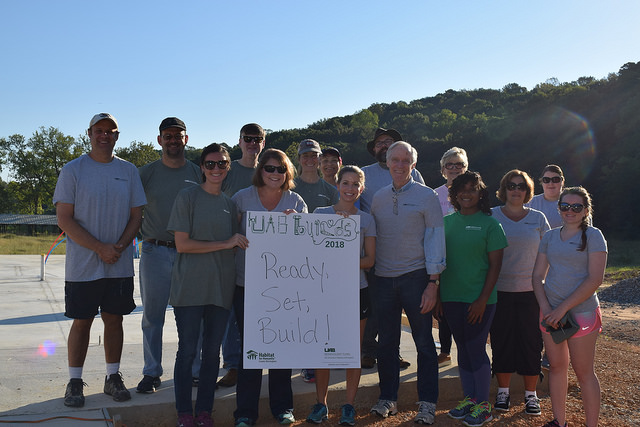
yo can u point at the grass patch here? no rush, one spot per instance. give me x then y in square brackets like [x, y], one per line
[12, 244]
[623, 254]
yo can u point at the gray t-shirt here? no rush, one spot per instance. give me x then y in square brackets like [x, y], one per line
[102, 195]
[161, 185]
[549, 209]
[238, 177]
[413, 238]
[377, 177]
[568, 267]
[249, 200]
[367, 229]
[318, 194]
[208, 278]
[520, 256]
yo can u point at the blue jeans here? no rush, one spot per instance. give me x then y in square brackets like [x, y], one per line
[188, 321]
[394, 295]
[369, 343]
[250, 380]
[474, 366]
[231, 343]
[156, 264]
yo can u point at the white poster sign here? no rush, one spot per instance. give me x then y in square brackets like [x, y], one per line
[302, 291]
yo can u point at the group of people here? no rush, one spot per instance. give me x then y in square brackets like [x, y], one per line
[445, 253]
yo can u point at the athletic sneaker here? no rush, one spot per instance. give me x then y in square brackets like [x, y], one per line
[148, 384]
[532, 405]
[502, 402]
[244, 422]
[480, 414]
[73, 395]
[203, 419]
[114, 387]
[426, 413]
[286, 418]
[318, 414]
[348, 416]
[463, 409]
[308, 375]
[554, 423]
[384, 408]
[186, 420]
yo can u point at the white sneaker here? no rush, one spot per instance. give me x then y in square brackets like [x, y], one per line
[384, 408]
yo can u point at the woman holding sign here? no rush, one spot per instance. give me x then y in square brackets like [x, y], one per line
[350, 186]
[202, 280]
[271, 191]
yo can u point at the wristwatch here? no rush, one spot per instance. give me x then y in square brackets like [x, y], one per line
[435, 281]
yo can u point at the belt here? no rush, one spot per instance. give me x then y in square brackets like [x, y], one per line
[170, 244]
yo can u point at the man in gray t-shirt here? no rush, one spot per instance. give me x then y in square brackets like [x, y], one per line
[240, 175]
[162, 181]
[377, 176]
[99, 200]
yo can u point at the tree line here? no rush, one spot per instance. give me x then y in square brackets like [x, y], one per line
[590, 127]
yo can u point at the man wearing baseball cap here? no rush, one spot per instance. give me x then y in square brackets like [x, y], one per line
[314, 191]
[162, 180]
[330, 164]
[377, 176]
[99, 200]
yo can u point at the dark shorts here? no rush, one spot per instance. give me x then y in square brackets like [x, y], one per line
[111, 295]
[365, 303]
[516, 342]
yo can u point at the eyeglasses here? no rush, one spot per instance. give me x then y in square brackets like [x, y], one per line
[512, 186]
[169, 137]
[211, 164]
[384, 142]
[546, 179]
[458, 165]
[272, 169]
[576, 207]
[252, 139]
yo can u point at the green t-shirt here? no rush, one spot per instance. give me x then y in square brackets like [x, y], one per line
[209, 278]
[238, 177]
[469, 240]
[318, 194]
[161, 186]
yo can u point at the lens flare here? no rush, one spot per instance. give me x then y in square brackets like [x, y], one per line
[47, 348]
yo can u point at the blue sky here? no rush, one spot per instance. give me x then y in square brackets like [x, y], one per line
[284, 64]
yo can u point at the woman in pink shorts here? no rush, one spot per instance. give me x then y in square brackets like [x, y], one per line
[569, 269]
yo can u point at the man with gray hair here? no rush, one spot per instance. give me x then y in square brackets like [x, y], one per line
[410, 255]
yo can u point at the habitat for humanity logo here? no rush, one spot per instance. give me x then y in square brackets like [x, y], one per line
[263, 357]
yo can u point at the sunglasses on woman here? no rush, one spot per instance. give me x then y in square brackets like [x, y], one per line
[211, 164]
[576, 207]
[521, 186]
[272, 169]
[546, 179]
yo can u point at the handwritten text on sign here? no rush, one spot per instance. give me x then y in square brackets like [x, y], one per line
[302, 291]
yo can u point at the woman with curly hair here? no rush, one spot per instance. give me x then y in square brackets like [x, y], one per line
[475, 242]
[569, 269]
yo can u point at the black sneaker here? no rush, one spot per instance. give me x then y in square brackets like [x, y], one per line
[114, 387]
[532, 405]
[73, 396]
[148, 384]
[502, 402]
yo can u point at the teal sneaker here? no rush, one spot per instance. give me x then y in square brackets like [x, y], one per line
[318, 414]
[462, 410]
[480, 414]
[244, 422]
[348, 417]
